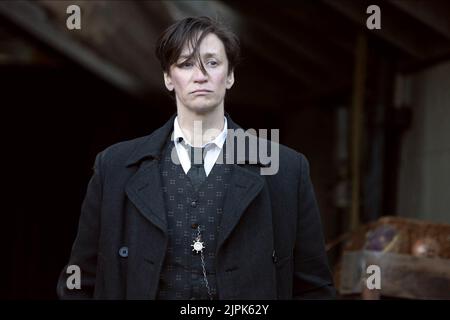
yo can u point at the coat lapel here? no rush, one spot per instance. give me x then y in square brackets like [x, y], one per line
[144, 189]
[245, 185]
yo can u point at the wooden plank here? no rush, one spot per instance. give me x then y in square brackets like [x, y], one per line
[402, 276]
[357, 118]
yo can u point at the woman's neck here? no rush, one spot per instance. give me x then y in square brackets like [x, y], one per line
[201, 128]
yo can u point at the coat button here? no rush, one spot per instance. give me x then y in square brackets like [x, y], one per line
[194, 204]
[123, 252]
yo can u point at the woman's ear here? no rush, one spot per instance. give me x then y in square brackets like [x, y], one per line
[168, 81]
[230, 80]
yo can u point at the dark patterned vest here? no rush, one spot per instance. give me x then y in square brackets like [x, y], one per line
[187, 211]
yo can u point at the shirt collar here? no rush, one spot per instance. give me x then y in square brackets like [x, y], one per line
[219, 140]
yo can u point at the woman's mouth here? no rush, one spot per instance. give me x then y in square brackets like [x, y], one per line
[201, 92]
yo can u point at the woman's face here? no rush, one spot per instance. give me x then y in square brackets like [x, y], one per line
[196, 90]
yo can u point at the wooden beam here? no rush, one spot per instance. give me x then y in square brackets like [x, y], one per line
[299, 50]
[121, 32]
[260, 41]
[31, 18]
[434, 14]
[289, 34]
[398, 28]
[328, 25]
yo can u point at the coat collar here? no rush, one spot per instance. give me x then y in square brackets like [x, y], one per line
[152, 146]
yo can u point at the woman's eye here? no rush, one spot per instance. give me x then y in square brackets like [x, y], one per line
[212, 63]
[186, 64]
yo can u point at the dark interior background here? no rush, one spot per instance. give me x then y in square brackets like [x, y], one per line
[59, 108]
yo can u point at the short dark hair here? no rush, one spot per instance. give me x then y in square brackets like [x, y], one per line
[192, 31]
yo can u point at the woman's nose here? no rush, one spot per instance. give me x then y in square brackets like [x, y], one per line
[199, 75]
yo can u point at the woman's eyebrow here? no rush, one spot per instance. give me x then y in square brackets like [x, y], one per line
[204, 55]
[210, 54]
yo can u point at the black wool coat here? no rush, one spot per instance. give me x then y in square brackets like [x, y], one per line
[270, 244]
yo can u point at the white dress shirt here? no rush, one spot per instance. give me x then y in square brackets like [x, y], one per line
[212, 148]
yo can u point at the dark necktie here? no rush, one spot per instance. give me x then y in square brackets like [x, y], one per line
[197, 172]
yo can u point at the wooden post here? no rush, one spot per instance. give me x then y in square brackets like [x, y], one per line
[356, 131]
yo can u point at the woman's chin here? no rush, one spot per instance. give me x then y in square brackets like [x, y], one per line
[203, 108]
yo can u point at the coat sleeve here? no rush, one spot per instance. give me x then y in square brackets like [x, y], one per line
[84, 249]
[312, 275]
